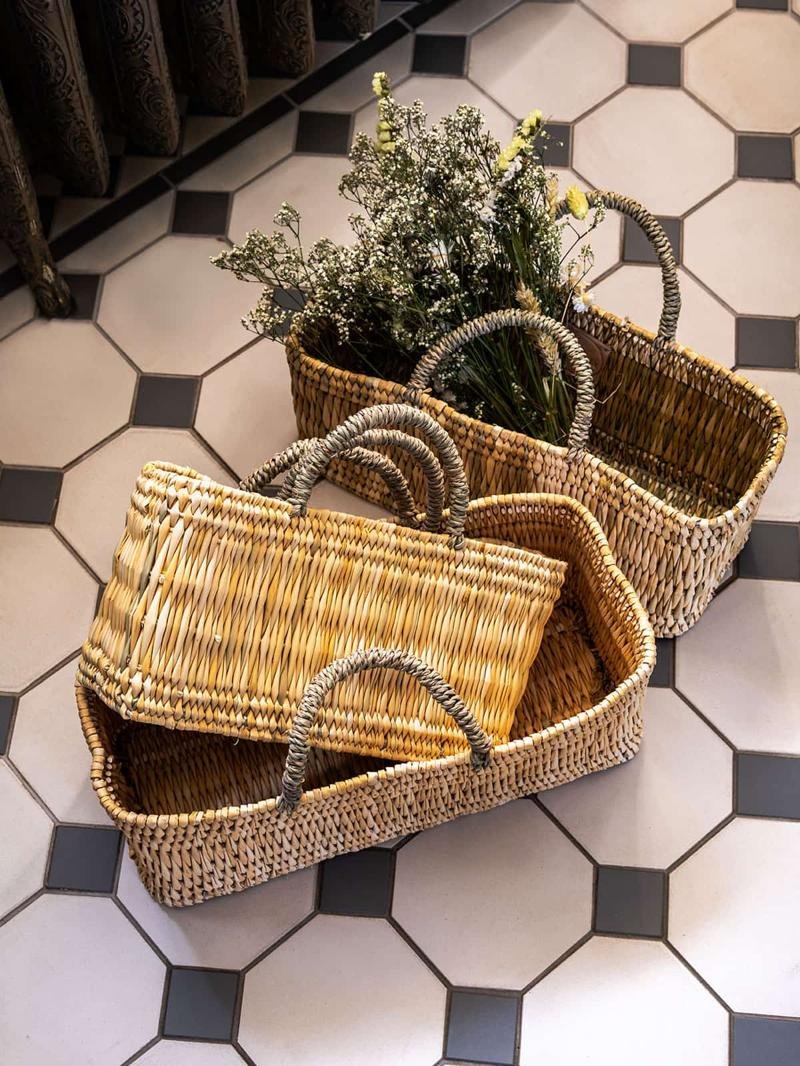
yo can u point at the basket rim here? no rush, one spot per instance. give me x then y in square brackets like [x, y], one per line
[645, 653]
[297, 353]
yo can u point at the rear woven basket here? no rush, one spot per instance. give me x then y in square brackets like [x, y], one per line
[202, 814]
[673, 464]
[223, 605]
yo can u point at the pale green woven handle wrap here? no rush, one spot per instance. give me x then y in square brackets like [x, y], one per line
[493, 321]
[356, 663]
[386, 416]
[654, 231]
[364, 455]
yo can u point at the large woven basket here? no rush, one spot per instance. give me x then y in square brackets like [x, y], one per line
[223, 605]
[673, 462]
[205, 816]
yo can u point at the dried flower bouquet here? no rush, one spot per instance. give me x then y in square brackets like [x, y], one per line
[447, 227]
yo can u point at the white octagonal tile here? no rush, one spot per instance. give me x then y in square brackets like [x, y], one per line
[16, 309]
[95, 494]
[248, 159]
[626, 1002]
[654, 20]
[189, 1053]
[26, 839]
[556, 57]
[78, 984]
[171, 311]
[245, 410]
[656, 145]
[127, 237]
[441, 96]
[746, 682]
[733, 915]
[48, 748]
[494, 898]
[745, 245]
[651, 810]
[226, 933]
[344, 992]
[747, 69]
[354, 90]
[47, 604]
[311, 184]
[63, 388]
[781, 501]
[635, 291]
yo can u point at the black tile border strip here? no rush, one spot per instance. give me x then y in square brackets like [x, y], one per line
[178, 170]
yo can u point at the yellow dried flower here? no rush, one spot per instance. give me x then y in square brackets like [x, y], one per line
[576, 202]
[532, 121]
[387, 146]
[501, 165]
[380, 84]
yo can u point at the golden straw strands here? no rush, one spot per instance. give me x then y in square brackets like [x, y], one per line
[223, 605]
[673, 461]
[202, 813]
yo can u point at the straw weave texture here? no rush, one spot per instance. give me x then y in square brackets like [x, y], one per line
[223, 605]
[201, 813]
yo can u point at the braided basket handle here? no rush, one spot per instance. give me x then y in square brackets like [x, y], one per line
[659, 241]
[574, 355]
[355, 663]
[404, 504]
[385, 416]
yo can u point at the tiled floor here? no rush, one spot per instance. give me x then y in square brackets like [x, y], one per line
[645, 915]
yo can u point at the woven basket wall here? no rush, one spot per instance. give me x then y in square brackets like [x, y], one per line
[222, 605]
[201, 813]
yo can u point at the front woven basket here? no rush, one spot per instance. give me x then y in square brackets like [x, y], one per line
[205, 816]
[673, 462]
[223, 605]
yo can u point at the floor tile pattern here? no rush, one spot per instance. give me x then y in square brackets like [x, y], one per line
[645, 914]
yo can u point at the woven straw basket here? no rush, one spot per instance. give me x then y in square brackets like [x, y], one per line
[205, 816]
[223, 605]
[673, 461]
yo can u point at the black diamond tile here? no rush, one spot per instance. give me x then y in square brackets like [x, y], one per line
[84, 858]
[637, 249]
[201, 1004]
[654, 64]
[436, 53]
[84, 292]
[765, 1041]
[770, 342]
[323, 132]
[558, 149]
[772, 552]
[761, 156]
[662, 674]
[768, 786]
[165, 401]
[630, 901]
[764, 5]
[8, 705]
[482, 1027]
[358, 884]
[29, 494]
[200, 212]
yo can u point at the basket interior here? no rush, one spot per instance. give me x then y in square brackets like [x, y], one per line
[587, 649]
[684, 431]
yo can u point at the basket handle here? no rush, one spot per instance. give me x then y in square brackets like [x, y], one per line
[355, 663]
[574, 355]
[362, 454]
[386, 416]
[659, 241]
[404, 503]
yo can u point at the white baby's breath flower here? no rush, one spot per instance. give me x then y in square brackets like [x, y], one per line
[582, 301]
